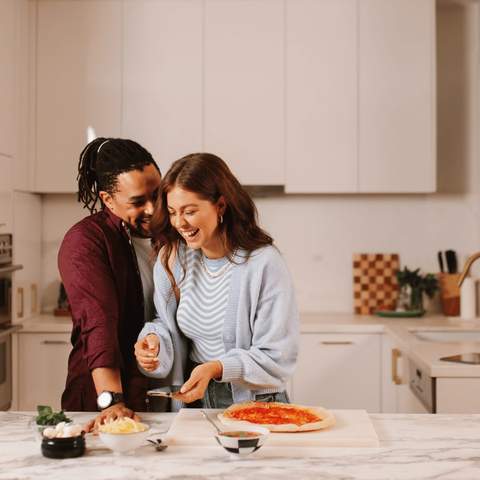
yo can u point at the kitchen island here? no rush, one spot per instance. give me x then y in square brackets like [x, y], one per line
[411, 447]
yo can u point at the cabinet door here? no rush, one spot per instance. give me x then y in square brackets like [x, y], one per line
[7, 77]
[78, 84]
[42, 369]
[27, 250]
[321, 96]
[162, 77]
[338, 371]
[397, 96]
[244, 87]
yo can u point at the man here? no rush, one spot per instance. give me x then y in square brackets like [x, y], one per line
[105, 262]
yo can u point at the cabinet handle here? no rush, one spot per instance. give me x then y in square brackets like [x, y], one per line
[336, 343]
[34, 295]
[396, 354]
[20, 295]
[54, 342]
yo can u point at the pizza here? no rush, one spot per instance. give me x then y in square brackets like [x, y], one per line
[278, 417]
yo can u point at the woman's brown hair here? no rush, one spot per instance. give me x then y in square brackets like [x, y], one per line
[209, 177]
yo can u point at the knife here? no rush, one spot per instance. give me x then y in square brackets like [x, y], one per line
[451, 257]
[162, 393]
[440, 261]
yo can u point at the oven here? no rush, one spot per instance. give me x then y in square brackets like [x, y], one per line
[6, 317]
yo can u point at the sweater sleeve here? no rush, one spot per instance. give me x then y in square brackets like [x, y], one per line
[271, 358]
[88, 279]
[163, 298]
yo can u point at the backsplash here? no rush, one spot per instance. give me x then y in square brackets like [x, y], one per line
[319, 234]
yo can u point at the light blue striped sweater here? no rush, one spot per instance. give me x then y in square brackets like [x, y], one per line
[260, 331]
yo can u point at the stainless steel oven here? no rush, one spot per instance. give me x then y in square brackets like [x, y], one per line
[6, 317]
[5, 370]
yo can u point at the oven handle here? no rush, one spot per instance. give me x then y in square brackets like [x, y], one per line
[10, 268]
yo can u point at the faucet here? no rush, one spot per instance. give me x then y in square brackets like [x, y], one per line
[466, 269]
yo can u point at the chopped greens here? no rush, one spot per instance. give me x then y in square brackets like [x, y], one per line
[46, 416]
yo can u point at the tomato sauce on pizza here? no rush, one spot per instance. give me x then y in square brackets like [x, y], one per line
[273, 414]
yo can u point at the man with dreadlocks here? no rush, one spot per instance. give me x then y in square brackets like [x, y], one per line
[106, 262]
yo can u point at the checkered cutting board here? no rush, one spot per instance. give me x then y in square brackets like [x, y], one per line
[375, 284]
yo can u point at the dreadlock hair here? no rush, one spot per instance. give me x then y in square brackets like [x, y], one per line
[100, 163]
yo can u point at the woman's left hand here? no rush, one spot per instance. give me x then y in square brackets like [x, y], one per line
[194, 388]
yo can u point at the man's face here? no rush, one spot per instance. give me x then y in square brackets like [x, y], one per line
[135, 198]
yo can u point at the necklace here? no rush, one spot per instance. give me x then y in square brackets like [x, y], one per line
[220, 271]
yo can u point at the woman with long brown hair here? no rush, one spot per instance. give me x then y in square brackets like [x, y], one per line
[223, 295]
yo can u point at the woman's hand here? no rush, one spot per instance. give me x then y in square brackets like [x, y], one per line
[146, 352]
[119, 410]
[194, 388]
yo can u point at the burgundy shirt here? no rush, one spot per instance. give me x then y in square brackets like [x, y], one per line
[99, 270]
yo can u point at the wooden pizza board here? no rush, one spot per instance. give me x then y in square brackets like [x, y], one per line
[353, 428]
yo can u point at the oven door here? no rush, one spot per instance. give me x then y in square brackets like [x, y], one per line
[5, 371]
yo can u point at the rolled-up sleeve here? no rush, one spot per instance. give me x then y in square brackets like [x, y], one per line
[88, 279]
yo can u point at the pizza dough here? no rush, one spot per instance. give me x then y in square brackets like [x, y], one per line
[277, 417]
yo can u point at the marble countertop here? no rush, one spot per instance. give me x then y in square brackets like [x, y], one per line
[426, 354]
[411, 447]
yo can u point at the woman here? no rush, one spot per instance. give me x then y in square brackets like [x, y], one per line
[224, 298]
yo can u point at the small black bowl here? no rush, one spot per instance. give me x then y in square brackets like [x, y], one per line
[69, 447]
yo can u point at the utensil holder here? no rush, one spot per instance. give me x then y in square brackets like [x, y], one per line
[449, 293]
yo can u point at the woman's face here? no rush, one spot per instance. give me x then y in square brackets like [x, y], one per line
[196, 220]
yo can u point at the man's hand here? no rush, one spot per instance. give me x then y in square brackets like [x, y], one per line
[194, 388]
[119, 410]
[146, 352]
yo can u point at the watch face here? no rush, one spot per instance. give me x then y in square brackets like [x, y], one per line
[105, 399]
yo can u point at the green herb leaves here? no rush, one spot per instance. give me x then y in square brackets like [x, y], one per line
[46, 416]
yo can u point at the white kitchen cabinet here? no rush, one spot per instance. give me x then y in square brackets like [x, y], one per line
[458, 394]
[321, 96]
[396, 96]
[360, 96]
[6, 195]
[79, 67]
[7, 76]
[244, 87]
[27, 251]
[339, 370]
[42, 369]
[162, 77]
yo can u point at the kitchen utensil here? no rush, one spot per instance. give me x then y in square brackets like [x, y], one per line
[159, 446]
[353, 428]
[440, 261]
[449, 293]
[211, 421]
[161, 393]
[451, 257]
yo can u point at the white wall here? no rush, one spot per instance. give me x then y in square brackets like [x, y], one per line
[319, 234]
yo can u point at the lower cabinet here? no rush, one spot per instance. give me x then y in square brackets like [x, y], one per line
[339, 370]
[41, 369]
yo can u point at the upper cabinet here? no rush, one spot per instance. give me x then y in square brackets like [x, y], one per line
[360, 96]
[321, 96]
[7, 77]
[244, 87]
[162, 77]
[79, 67]
[397, 96]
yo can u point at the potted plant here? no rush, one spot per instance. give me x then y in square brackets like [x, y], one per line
[412, 286]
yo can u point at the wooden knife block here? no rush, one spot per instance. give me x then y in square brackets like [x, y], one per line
[449, 293]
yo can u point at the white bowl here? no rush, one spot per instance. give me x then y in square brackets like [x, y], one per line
[124, 442]
[241, 446]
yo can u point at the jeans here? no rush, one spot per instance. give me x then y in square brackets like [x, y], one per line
[219, 395]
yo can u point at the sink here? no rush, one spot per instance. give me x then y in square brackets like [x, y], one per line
[447, 336]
